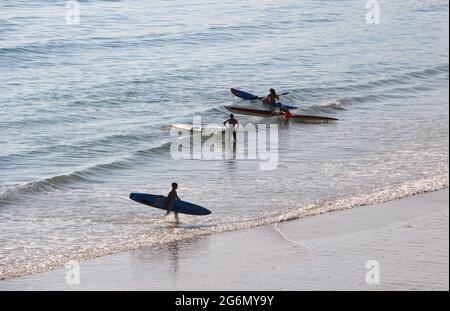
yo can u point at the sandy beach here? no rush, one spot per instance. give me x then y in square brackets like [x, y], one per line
[398, 245]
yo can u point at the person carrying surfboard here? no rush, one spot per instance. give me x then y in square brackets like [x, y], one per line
[232, 121]
[171, 197]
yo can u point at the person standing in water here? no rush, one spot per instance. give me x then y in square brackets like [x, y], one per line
[170, 201]
[272, 99]
[232, 121]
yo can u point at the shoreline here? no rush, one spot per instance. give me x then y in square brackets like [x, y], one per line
[407, 238]
[376, 196]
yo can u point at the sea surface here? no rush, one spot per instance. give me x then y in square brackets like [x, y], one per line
[86, 112]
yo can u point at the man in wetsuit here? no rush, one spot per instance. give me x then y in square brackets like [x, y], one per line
[171, 197]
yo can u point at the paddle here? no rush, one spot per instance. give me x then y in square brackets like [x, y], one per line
[277, 94]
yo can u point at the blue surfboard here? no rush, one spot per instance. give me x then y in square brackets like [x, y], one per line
[179, 206]
[249, 96]
[244, 95]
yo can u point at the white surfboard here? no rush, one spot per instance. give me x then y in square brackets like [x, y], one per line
[209, 129]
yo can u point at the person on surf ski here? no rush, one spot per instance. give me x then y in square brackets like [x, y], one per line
[285, 112]
[171, 197]
[232, 121]
[272, 99]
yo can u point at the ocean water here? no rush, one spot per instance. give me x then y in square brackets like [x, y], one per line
[86, 111]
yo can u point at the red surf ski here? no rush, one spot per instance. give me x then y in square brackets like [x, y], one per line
[268, 113]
